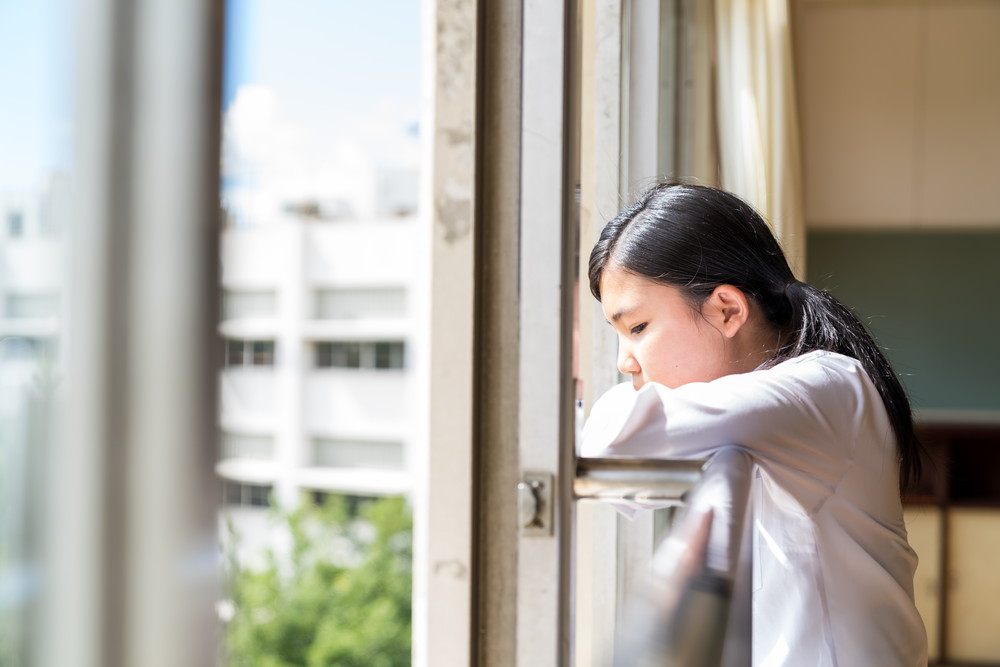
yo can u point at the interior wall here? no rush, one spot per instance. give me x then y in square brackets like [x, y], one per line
[900, 112]
[899, 106]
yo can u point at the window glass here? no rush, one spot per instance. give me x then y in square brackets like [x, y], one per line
[263, 353]
[338, 355]
[249, 352]
[246, 446]
[37, 138]
[318, 251]
[356, 303]
[15, 224]
[247, 495]
[32, 305]
[237, 304]
[344, 453]
[234, 352]
[35, 352]
[388, 355]
[379, 355]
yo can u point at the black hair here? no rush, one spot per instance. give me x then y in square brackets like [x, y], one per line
[695, 238]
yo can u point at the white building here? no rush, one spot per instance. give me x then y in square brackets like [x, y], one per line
[30, 280]
[31, 250]
[316, 324]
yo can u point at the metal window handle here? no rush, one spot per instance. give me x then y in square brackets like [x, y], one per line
[534, 498]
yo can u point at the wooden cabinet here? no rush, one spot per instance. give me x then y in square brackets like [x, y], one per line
[954, 525]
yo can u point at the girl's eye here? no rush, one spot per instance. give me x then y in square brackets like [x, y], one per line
[637, 329]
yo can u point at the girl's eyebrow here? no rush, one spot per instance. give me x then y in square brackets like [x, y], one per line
[624, 311]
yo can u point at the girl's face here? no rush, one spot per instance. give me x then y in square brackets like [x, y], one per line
[661, 338]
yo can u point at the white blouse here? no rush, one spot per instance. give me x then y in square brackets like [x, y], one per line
[833, 572]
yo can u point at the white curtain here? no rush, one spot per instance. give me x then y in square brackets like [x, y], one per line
[757, 127]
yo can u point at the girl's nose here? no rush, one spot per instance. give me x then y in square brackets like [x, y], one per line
[627, 364]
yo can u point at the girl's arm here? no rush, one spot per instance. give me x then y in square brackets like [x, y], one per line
[802, 413]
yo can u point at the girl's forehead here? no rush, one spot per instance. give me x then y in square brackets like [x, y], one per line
[617, 280]
[623, 292]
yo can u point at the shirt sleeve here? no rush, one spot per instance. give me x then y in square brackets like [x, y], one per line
[802, 414]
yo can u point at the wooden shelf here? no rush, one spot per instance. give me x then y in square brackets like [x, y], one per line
[961, 472]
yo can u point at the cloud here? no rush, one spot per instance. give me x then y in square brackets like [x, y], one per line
[269, 162]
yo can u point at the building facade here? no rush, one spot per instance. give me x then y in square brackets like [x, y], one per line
[316, 328]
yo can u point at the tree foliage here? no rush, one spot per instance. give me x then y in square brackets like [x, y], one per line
[340, 596]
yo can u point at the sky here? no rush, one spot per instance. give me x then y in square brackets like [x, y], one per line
[326, 57]
[317, 95]
[36, 86]
[325, 78]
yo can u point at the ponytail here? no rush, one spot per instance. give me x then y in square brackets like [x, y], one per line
[819, 322]
[696, 238]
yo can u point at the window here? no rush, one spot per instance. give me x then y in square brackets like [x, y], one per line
[338, 304]
[239, 494]
[25, 348]
[234, 352]
[246, 446]
[49, 216]
[354, 503]
[381, 355]
[249, 353]
[355, 453]
[262, 353]
[338, 355]
[31, 305]
[388, 355]
[15, 224]
[238, 304]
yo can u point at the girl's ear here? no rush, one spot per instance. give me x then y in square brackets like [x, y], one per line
[728, 309]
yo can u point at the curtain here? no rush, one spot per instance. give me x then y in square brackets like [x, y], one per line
[757, 140]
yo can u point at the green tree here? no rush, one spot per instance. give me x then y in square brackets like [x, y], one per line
[341, 595]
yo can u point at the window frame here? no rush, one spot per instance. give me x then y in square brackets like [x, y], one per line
[130, 524]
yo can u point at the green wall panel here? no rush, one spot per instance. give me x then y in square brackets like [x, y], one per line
[932, 299]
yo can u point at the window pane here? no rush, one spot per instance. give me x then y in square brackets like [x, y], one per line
[37, 139]
[263, 353]
[36, 352]
[356, 303]
[234, 493]
[338, 355]
[15, 224]
[257, 496]
[319, 252]
[324, 355]
[382, 355]
[247, 495]
[247, 446]
[388, 355]
[237, 304]
[342, 453]
[345, 355]
[234, 352]
[32, 305]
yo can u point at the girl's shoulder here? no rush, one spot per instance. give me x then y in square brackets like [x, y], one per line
[820, 376]
[820, 361]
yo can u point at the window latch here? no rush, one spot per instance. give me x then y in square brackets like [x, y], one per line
[534, 496]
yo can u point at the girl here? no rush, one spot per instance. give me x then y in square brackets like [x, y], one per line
[725, 347]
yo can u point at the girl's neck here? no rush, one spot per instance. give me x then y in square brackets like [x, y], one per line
[755, 345]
